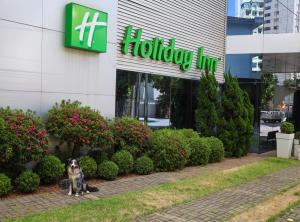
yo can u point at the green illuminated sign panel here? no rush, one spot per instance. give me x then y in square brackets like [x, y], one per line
[86, 28]
[156, 49]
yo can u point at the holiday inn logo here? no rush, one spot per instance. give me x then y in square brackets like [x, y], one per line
[86, 28]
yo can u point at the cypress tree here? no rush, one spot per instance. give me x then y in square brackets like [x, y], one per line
[235, 125]
[206, 115]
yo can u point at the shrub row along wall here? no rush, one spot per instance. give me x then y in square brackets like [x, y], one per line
[115, 148]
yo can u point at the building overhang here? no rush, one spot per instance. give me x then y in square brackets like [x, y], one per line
[280, 52]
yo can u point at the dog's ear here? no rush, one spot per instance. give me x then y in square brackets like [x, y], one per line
[69, 161]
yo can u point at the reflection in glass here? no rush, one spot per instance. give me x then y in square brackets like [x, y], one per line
[126, 93]
[160, 101]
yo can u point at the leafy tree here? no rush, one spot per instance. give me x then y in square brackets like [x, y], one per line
[269, 81]
[206, 114]
[236, 118]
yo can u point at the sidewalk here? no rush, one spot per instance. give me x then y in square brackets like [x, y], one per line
[293, 214]
[19, 206]
[225, 204]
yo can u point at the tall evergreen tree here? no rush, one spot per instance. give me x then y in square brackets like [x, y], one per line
[206, 114]
[236, 118]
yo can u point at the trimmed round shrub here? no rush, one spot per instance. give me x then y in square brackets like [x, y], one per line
[188, 133]
[78, 126]
[88, 166]
[134, 150]
[131, 132]
[144, 165]
[22, 137]
[287, 128]
[50, 169]
[168, 150]
[108, 170]
[27, 182]
[124, 160]
[217, 149]
[5, 184]
[200, 152]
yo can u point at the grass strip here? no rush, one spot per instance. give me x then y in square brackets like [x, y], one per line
[283, 212]
[127, 206]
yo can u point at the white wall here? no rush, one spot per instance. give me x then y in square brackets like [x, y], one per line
[36, 70]
[192, 23]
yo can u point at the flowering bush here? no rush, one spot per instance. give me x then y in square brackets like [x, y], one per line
[130, 132]
[22, 136]
[78, 125]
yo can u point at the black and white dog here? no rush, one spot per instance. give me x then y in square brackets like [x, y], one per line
[76, 182]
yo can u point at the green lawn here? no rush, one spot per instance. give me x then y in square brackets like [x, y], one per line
[128, 206]
[283, 212]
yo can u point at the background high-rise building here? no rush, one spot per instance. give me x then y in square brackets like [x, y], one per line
[249, 8]
[281, 16]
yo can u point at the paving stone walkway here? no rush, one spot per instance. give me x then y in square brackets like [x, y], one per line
[293, 214]
[19, 206]
[222, 205]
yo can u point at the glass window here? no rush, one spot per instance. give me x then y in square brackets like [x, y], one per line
[126, 93]
[160, 101]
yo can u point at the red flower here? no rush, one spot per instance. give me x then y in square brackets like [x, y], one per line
[13, 126]
[30, 130]
[41, 133]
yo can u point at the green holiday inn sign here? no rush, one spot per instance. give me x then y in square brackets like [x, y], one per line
[156, 50]
[86, 29]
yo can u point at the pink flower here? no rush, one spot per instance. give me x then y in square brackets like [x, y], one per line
[13, 126]
[74, 119]
[41, 133]
[30, 130]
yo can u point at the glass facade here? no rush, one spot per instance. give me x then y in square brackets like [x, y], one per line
[160, 101]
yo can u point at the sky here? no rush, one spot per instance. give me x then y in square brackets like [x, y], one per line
[231, 7]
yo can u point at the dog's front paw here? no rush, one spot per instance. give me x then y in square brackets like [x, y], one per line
[87, 191]
[76, 195]
[70, 193]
